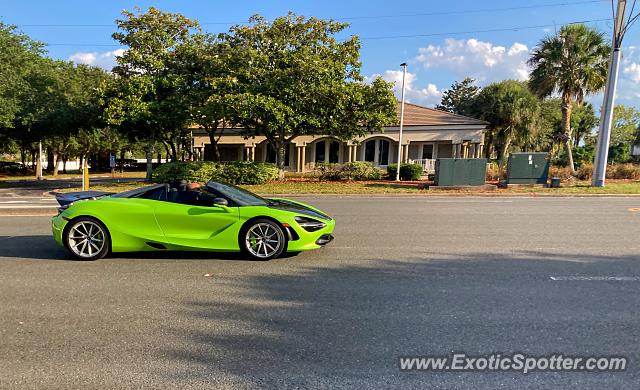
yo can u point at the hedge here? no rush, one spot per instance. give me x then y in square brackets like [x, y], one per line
[407, 171]
[236, 172]
[357, 170]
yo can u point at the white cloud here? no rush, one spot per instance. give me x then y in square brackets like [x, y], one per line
[633, 71]
[481, 60]
[105, 60]
[427, 95]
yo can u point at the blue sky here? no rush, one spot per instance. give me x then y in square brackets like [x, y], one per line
[454, 40]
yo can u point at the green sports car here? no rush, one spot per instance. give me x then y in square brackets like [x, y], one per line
[215, 217]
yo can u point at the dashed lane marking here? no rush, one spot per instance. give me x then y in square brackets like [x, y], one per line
[598, 278]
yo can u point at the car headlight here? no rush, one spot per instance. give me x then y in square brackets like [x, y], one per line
[309, 224]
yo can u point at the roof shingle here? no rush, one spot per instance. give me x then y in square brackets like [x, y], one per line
[415, 115]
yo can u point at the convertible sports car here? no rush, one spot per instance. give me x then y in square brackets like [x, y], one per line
[215, 217]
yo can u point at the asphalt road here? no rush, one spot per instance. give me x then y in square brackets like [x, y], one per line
[405, 276]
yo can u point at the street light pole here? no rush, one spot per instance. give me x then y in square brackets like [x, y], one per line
[404, 76]
[604, 134]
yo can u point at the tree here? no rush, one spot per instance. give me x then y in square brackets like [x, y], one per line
[459, 98]
[626, 122]
[208, 79]
[513, 113]
[148, 98]
[292, 77]
[551, 135]
[18, 54]
[572, 63]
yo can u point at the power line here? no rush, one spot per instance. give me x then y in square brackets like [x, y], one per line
[517, 28]
[364, 17]
[471, 11]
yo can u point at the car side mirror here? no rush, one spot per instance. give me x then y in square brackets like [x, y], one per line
[220, 202]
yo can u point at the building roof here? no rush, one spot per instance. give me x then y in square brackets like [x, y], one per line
[415, 115]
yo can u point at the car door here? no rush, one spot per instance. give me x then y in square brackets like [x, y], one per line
[199, 226]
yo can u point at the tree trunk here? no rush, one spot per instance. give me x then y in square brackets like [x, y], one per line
[149, 160]
[64, 164]
[56, 164]
[566, 127]
[23, 152]
[504, 153]
[122, 153]
[50, 159]
[214, 145]
[280, 147]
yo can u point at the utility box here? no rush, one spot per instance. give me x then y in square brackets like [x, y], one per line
[460, 171]
[528, 168]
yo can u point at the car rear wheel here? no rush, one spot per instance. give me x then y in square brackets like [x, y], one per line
[263, 239]
[87, 239]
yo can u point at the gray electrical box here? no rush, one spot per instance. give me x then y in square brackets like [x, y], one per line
[528, 168]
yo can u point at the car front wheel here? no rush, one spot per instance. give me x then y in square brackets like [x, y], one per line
[263, 239]
[87, 239]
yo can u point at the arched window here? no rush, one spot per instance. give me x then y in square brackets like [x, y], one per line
[377, 151]
[327, 152]
[320, 151]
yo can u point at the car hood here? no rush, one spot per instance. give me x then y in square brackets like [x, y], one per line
[297, 207]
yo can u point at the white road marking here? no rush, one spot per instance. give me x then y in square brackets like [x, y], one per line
[15, 201]
[598, 278]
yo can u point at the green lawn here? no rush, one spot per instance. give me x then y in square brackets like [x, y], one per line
[299, 187]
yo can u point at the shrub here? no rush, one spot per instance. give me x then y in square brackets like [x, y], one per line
[191, 171]
[623, 171]
[496, 172]
[583, 155]
[619, 153]
[407, 171]
[246, 172]
[585, 172]
[357, 170]
[237, 172]
[563, 173]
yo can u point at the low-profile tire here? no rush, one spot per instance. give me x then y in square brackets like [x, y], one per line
[262, 239]
[87, 238]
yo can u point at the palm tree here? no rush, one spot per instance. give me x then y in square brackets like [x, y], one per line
[513, 112]
[572, 63]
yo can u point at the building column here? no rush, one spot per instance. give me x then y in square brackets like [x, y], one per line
[252, 153]
[472, 150]
[480, 150]
[456, 150]
[405, 153]
[300, 158]
[350, 153]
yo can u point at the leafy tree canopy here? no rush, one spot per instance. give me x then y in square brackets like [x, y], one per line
[459, 98]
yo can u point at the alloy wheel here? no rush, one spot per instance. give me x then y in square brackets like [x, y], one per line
[264, 240]
[86, 239]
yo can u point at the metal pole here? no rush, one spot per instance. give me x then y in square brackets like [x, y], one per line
[604, 134]
[84, 175]
[404, 75]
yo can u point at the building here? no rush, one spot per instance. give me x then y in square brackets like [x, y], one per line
[427, 134]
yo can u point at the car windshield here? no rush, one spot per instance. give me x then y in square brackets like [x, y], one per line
[238, 195]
